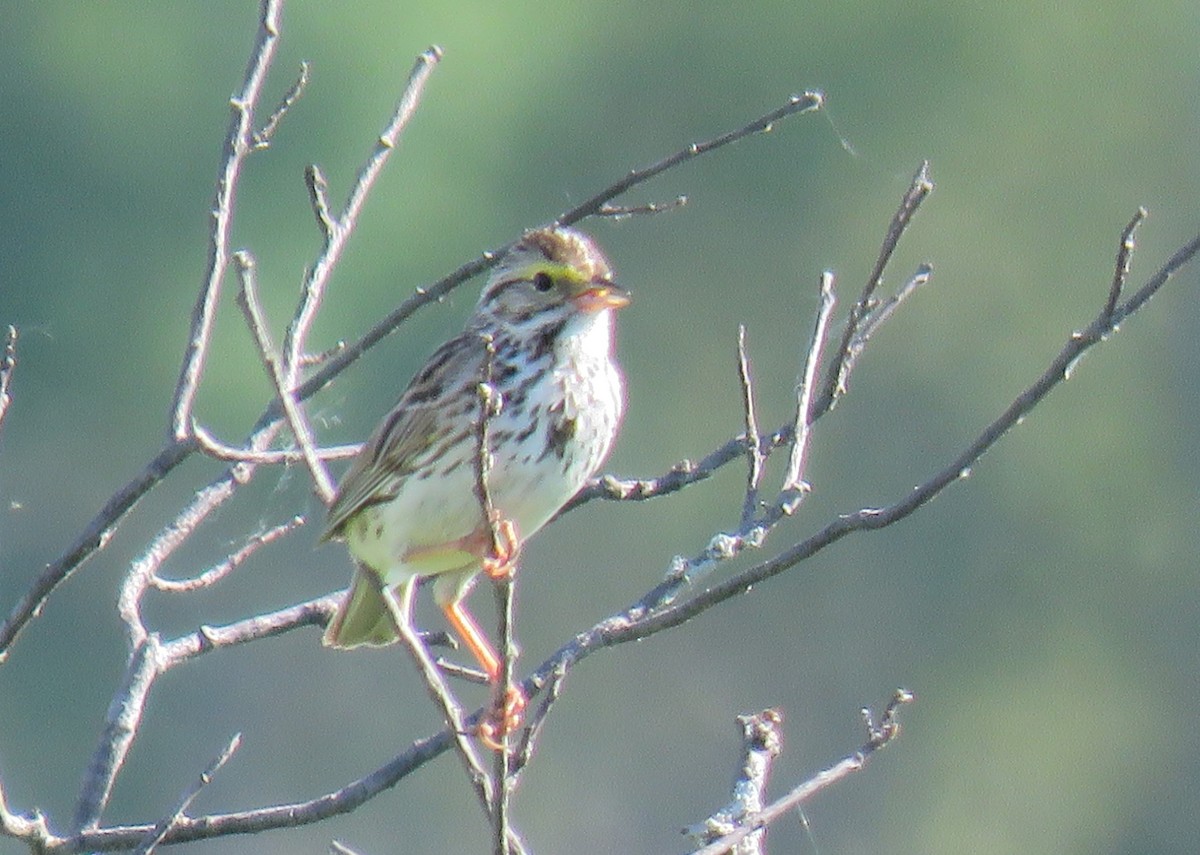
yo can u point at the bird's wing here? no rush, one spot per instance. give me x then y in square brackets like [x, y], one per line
[442, 393]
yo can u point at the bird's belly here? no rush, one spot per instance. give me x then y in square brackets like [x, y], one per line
[424, 529]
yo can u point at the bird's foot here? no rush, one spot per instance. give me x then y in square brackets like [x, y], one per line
[502, 560]
[504, 718]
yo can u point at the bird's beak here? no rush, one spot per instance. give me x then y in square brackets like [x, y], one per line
[602, 295]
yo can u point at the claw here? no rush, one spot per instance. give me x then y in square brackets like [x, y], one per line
[502, 562]
[504, 718]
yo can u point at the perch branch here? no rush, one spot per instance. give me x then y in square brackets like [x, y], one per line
[101, 528]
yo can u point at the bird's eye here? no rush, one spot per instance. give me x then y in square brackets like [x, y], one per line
[543, 281]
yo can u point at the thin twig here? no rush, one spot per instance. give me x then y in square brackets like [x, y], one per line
[262, 138]
[318, 197]
[248, 302]
[805, 103]
[533, 730]
[755, 457]
[93, 538]
[102, 526]
[490, 403]
[314, 285]
[203, 503]
[877, 738]
[620, 212]
[1124, 255]
[168, 822]
[206, 639]
[8, 364]
[214, 448]
[797, 104]
[686, 473]
[238, 145]
[843, 359]
[794, 479]
[32, 828]
[219, 571]
[882, 311]
[647, 617]
[399, 608]
[310, 360]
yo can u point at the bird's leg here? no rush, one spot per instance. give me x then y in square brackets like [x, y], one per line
[506, 716]
[499, 565]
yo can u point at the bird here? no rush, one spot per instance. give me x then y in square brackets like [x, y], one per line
[542, 340]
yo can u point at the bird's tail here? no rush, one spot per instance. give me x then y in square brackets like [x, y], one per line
[362, 617]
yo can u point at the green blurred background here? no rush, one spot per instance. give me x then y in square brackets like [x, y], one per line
[1044, 611]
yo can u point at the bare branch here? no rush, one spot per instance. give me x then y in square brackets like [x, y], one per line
[291, 815]
[843, 363]
[805, 103]
[92, 539]
[490, 402]
[400, 610]
[318, 196]
[620, 212]
[167, 823]
[145, 568]
[262, 138]
[877, 738]
[120, 727]
[206, 639]
[533, 730]
[872, 315]
[794, 479]
[213, 447]
[880, 313]
[238, 145]
[761, 744]
[647, 617]
[1124, 255]
[8, 364]
[315, 282]
[797, 104]
[31, 828]
[755, 458]
[219, 571]
[248, 302]
[504, 838]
